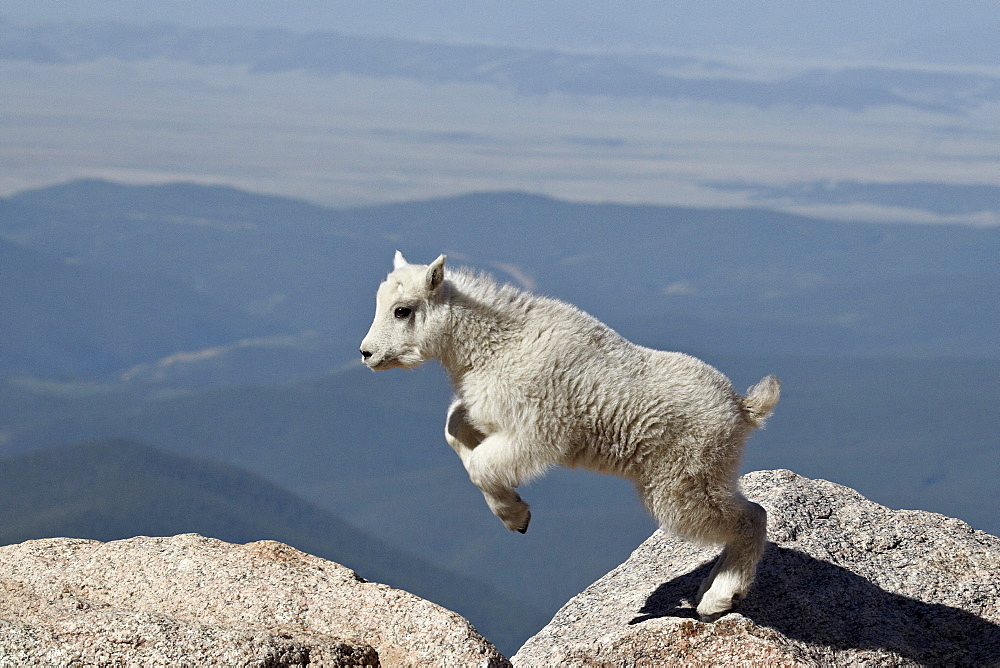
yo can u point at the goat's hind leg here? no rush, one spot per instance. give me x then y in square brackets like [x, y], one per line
[483, 458]
[734, 570]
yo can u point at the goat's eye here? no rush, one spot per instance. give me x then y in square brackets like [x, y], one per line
[402, 312]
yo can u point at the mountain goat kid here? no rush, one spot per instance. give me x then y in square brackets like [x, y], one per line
[538, 383]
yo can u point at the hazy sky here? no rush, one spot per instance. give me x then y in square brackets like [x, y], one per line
[346, 138]
[845, 28]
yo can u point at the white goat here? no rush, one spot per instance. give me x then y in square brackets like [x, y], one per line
[539, 383]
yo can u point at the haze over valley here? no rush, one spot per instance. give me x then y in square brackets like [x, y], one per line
[344, 119]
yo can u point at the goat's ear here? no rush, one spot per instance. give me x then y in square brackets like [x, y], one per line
[435, 274]
[398, 261]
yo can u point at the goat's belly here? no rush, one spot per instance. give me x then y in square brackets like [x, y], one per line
[593, 459]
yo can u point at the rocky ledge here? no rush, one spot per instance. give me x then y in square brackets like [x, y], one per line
[844, 581]
[190, 600]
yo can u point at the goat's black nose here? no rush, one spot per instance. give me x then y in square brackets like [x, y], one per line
[366, 354]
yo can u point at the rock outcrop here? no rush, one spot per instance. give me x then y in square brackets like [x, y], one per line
[190, 600]
[844, 581]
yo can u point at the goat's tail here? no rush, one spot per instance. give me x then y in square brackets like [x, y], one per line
[760, 400]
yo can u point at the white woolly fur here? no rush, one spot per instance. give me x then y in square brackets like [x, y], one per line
[540, 383]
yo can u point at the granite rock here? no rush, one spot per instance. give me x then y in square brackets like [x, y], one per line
[844, 581]
[191, 600]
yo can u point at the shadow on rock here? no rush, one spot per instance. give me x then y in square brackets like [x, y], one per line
[818, 603]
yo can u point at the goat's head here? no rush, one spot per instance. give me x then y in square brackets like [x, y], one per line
[402, 333]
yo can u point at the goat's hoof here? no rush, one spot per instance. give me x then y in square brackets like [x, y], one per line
[710, 608]
[516, 517]
[523, 526]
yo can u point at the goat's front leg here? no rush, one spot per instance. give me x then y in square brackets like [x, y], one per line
[459, 432]
[487, 459]
[492, 468]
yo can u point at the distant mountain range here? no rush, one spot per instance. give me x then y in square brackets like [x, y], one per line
[941, 198]
[733, 281]
[118, 489]
[528, 71]
[69, 320]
